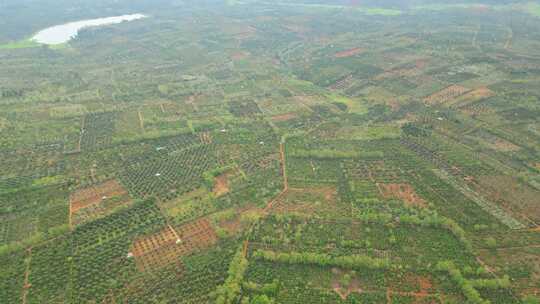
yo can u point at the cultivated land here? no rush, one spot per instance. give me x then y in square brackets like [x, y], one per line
[260, 152]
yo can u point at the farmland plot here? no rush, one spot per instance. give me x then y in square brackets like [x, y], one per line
[96, 201]
[445, 95]
[100, 250]
[97, 131]
[171, 175]
[169, 245]
[33, 213]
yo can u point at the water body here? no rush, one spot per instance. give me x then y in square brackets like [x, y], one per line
[63, 33]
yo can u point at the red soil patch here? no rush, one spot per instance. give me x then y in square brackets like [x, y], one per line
[294, 201]
[446, 94]
[239, 56]
[474, 95]
[95, 201]
[152, 242]
[284, 117]
[403, 192]
[86, 197]
[159, 258]
[425, 285]
[504, 146]
[168, 245]
[344, 291]
[479, 93]
[197, 235]
[221, 185]
[349, 53]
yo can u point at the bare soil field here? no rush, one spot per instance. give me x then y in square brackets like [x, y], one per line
[168, 245]
[404, 192]
[446, 95]
[349, 53]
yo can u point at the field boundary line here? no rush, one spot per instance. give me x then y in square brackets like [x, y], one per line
[26, 285]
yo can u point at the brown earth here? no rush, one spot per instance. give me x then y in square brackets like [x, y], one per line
[446, 94]
[473, 96]
[515, 197]
[349, 53]
[307, 201]
[168, 245]
[221, 185]
[283, 117]
[344, 291]
[239, 56]
[152, 242]
[89, 196]
[504, 146]
[404, 192]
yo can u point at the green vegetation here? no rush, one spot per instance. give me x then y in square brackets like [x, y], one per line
[229, 291]
[299, 151]
[350, 262]
[20, 44]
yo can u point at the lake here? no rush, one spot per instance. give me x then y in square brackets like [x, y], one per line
[63, 33]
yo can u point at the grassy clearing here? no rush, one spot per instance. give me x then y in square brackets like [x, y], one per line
[370, 132]
[29, 43]
[353, 105]
[20, 45]
[380, 11]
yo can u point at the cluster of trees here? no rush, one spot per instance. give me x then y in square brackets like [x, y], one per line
[434, 220]
[8, 93]
[259, 299]
[424, 219]
[498, 283]
[264, 292]
[229, 292]
[309, 258]
[468, 289]
[412, 130]
[335, 154]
